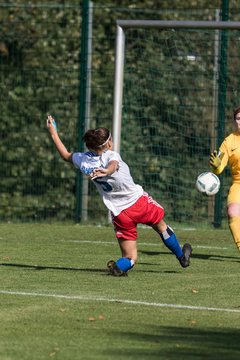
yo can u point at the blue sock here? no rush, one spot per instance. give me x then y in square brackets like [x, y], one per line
[171, 242]
[125, 264]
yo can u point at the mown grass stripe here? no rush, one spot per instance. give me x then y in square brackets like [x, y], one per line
[124, 301]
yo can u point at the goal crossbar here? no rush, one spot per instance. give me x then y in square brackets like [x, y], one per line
[185, 24]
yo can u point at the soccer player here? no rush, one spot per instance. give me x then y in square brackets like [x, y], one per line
[229, 151]
[128, 203]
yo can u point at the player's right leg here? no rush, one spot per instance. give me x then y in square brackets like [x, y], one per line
[128, 248]
[126, 233]
[128, 259]
[233, 210]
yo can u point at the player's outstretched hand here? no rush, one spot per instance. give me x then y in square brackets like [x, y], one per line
[216, 159]
[98, 173]
[51, 124]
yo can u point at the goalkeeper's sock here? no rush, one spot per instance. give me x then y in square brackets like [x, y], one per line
[171, 242]
[234, 225]
[124, 264]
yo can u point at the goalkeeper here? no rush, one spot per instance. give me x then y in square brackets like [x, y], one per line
[229, 151]
[128, 203]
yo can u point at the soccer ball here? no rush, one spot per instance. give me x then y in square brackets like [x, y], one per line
[208, 183]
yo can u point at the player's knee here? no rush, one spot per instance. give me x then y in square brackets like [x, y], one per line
[233, 210]
[160, 227]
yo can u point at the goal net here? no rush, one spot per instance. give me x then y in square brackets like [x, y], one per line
[175, 92]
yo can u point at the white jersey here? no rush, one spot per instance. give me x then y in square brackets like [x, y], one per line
[117, 190]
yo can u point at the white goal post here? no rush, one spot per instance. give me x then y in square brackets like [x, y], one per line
[122, 25]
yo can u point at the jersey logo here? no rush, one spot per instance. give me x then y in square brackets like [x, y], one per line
[87, 170]
[104, 184]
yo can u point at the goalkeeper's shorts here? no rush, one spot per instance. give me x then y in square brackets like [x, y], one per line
[145, 211]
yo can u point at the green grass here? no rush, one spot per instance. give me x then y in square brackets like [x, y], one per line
[57, 301]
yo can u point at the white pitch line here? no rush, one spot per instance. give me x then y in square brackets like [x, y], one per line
[123, 301]
[140, 243]
[209, 247]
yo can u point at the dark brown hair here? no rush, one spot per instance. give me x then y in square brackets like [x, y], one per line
[96, 138]
[236, 111]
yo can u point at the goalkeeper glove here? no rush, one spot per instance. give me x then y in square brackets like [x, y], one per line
[216, 159]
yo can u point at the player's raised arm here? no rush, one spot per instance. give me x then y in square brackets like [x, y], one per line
[52, 128]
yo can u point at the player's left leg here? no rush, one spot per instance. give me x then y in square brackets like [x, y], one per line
[171, 242]
[234, 222]
[234, 225]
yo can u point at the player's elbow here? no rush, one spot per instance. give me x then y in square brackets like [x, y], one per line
[113, 167]
[66, 156]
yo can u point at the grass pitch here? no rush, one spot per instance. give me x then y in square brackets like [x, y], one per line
[57, 301]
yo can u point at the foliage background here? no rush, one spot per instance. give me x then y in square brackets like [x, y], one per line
[40, 61]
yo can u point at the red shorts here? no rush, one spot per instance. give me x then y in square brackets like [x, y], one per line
[145, 211]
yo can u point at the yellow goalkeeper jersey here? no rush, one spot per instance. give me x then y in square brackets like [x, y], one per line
[231, 149]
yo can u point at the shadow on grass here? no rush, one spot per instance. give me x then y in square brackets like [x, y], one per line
[216, 257]
[180, 343]
[196, 256]
[40, 267]
[103, 271]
